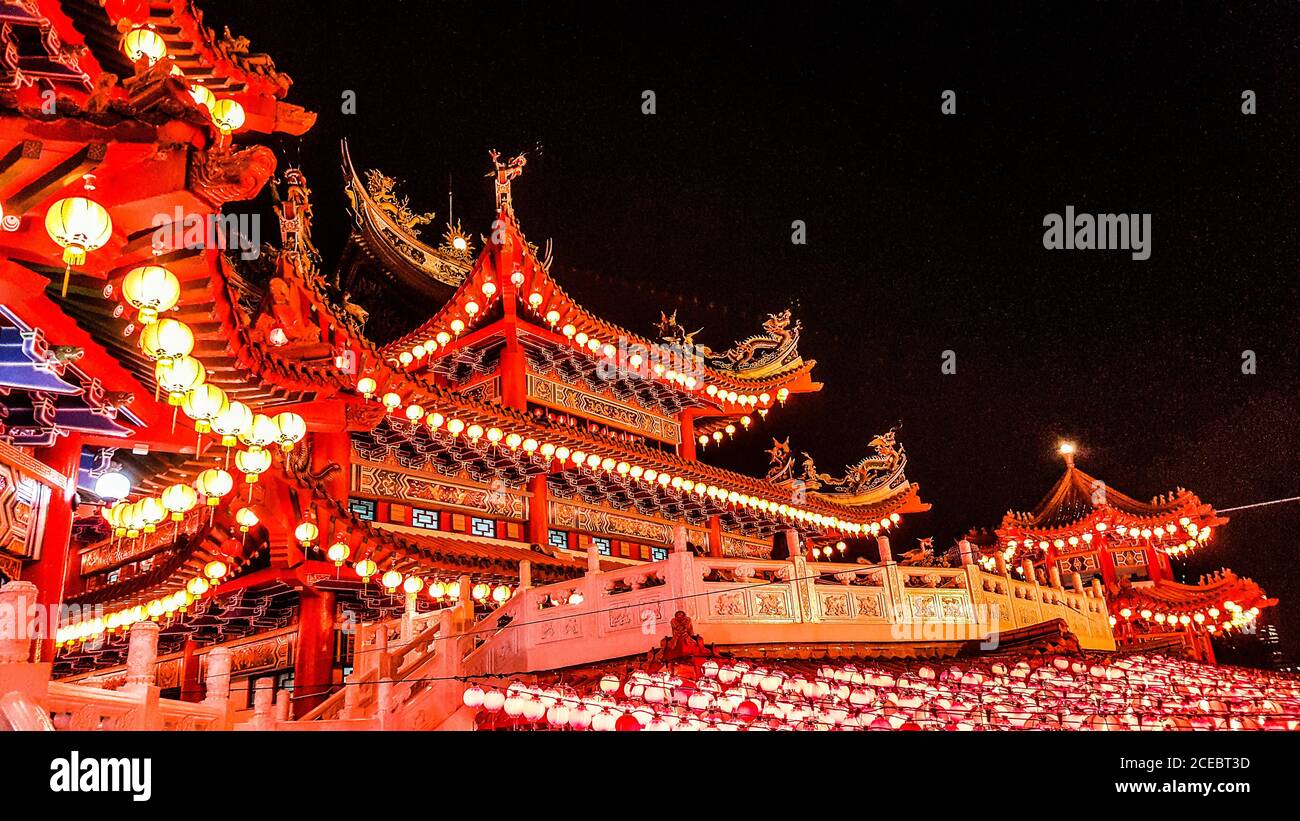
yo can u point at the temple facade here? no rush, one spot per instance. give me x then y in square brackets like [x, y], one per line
[241, 489]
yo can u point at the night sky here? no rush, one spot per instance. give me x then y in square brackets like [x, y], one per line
[924, 231]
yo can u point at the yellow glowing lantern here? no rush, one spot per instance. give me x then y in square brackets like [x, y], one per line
[392, 401]
[232, 422]
[413, 585]
[367, 386]
[306, 533]
[500, 594]
[480, 591]
[292, 428]
[365, 569]
[179, 499]
[143, 41]
[246, 518]
[414, 412]
[212, 484]
[262, 432]
[151, 512]
[203, 96]
[166, 339]
[434, 420]
[252, 463]
[215, 570]
[197, 586]
[391, 580]
[437, 590]
[455, 426]
[151, 289]
[228, 115]
[203, 404]
[178, 376]
[78, 225]
[338, 553]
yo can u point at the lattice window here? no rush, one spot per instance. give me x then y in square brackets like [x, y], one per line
[427, 519]
[602, 545]
[658, 554]
[483, 527]
[558, 538]
[363, 508]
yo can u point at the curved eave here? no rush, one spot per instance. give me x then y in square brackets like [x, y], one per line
[412, 262]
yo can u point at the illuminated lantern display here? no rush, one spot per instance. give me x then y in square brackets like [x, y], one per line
[143, 42]
[228, 115]
[166, 339]
[232, 423]
[391, 580]
[338, 553]
[179, 500]
[215, 571]
[291, 429]
[213, 484]
[176, 377]
[151, 289]
[366, 569]
[252, 463]
[78, 226]
[204, 404]
[112, 486]
[246, 519]
[151, 512]
[306, 533]
[367, 387]
[203, 96]
[262, 432]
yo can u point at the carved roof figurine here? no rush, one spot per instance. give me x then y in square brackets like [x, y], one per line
[382, 191]
[295, 213]
[674, 334]
[782, 462]
[503, 174]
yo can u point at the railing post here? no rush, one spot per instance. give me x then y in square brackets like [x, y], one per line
[263, 702]
[15, 643]
[217, 679]
[1076, 581]
[1054, 577]
[410, 612]
[282, 706]
[525, 575]
[892, 579]
[142, 655]
[967, 554]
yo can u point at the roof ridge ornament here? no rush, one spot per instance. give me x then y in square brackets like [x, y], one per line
[503, 174]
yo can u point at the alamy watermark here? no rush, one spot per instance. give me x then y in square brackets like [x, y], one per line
[1100, 232]
[179, 229]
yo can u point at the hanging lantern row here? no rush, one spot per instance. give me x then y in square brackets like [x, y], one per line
[474, 307]
[1175, 539]
[1237, 617]
[73, 635]
[437, 424]
[438, 591]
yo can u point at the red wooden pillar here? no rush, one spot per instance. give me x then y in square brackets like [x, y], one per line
[539, 524]
[313, 665]
[686, 449]
[191, 689]
[715, 537]
[51, 571]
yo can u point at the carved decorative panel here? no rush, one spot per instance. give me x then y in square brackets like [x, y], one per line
[388, 483]
[566, 397]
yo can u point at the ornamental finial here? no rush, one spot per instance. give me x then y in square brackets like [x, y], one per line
[1066, 449]
[503, 175]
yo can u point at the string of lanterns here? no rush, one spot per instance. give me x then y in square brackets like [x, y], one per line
[473, 310]
[1236, 618]
[475, 434]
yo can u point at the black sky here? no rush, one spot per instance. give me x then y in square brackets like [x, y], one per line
[924, 231]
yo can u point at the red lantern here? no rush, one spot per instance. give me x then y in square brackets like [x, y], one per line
[746, 710]
[627, 723]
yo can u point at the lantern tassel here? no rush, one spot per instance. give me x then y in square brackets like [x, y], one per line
[66, 273]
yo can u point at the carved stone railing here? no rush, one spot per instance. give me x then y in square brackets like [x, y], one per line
[32, 701]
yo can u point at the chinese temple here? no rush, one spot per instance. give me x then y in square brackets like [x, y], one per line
[425, 488]
[1087, 530]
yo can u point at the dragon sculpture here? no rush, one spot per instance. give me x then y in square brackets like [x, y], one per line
[884, 470]
[774, 350]
[382, 191]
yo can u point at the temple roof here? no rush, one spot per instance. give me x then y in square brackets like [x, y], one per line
[1076, 496]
